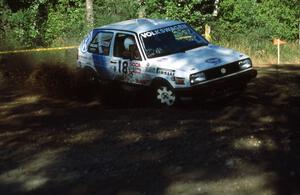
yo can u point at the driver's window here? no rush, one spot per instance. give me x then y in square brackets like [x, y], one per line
[125, 47]
[101, 43]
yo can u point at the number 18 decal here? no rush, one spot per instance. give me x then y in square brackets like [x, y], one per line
[123, 67]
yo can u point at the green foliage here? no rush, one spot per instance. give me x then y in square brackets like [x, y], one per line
[259, 20]
[263, 51]
[18, 27]
[32, 23]
[4, 16]
[66, 23]
[195, 12]
[22, 27]
[114, 12]
[55, 22]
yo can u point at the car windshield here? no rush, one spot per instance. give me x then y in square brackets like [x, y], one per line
[170, 40]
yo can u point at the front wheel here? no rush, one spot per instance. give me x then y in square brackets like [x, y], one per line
[164, 95]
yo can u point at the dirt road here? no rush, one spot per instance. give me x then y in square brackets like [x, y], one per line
[247, 145]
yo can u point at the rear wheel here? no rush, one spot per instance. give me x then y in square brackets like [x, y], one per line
[87, 83]
[89, 76]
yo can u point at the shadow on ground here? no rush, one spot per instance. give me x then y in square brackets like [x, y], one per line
[249, 145]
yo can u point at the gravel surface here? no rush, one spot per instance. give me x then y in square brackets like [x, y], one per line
[244, 145]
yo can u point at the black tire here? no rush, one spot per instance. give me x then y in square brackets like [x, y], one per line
[87, 83]
[88, 76]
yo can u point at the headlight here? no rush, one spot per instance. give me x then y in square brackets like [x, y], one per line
[244, 64]
[179, 80]
[197, 78]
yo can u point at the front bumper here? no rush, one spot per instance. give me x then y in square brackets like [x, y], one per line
[219, 86]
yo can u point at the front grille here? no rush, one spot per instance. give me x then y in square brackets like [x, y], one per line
[216, 72]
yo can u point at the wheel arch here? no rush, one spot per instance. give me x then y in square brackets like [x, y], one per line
[159, 81]
[90, 68]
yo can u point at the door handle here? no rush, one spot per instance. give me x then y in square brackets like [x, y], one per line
[113, 62]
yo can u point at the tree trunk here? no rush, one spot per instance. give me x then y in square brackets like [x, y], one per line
[216, 10]
[89, 12]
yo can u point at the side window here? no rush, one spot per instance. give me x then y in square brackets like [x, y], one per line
[101, 43]
[126, 47]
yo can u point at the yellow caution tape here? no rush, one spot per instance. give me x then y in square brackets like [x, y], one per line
[37, 50]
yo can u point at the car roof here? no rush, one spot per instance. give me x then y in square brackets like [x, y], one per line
[140, 25]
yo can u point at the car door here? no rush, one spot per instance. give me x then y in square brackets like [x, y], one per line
[127, 59]
[100, 47]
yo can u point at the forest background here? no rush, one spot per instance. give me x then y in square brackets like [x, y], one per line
[246, 25]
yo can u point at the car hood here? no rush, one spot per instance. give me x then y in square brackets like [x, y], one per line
[198, 59]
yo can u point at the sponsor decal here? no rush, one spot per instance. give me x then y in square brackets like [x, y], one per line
[130, 76]
[151, 69]
[213, 60]
[134, 68]
[126, 67]
[165, 71]
[163, 30]
[135, 64]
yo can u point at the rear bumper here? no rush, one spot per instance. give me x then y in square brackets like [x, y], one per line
[228, 84]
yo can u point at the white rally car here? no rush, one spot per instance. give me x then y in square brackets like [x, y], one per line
[168, 56]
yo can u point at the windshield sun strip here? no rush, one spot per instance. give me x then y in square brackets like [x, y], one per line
[205, 42]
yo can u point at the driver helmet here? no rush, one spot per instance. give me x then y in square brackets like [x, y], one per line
[127, 42]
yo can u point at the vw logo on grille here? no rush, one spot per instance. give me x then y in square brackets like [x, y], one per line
[223, 70]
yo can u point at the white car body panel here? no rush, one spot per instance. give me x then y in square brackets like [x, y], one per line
[142, 72]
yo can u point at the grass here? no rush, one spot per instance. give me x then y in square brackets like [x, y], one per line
[67, 56]
[261, 52]
[264, 52]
